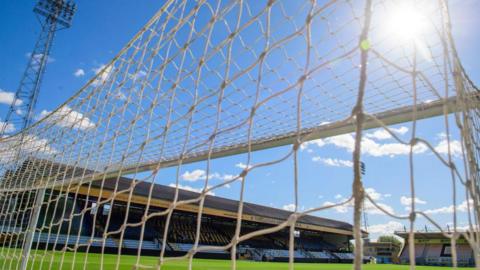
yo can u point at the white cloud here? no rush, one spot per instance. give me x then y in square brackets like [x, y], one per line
[228, 177]
[401, 130]
[242, 165]
[340, 209]
[189, 188]
[408, 200]
[369, 207]
[462, 207]
[79, 73]
[138, 75]
[194, 175]
[68, 118]
[370, 147]
[382, 134]
[373, 210]
[441, 210]
[30, 145]
[455, 147]
[333, 162]
[9, 128]
[374, 194]
[375, 149]
[319, 143]
[346, 141]
[442, 135]
[103, 73]
[8, 97]
[385, 228]
[289, 207]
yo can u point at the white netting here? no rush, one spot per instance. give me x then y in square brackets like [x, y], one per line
[207, 79]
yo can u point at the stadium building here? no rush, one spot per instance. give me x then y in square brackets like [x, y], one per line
[383, 252]
[433, 248]
[316, 239]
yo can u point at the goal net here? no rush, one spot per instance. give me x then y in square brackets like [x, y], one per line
[205, 80]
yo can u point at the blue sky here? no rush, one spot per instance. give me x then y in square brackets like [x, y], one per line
[101, 28]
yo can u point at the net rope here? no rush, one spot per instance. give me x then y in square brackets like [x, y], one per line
[209, 79]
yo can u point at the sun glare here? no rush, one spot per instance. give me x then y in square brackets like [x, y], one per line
[406, 22]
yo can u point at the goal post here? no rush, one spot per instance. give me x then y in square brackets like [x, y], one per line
[204, 80]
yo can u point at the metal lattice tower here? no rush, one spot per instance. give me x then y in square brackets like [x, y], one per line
[54, 15]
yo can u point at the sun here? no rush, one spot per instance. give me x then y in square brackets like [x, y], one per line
[406, 22]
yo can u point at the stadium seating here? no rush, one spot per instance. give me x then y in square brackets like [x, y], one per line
[279, 253]
[420, 250]
[432, 255]
[215, 232]
[63, 239]
[183, 231]
[321, 255]
[314, 244]
[433, 251]
[187, 247]
[133, 244]
[464, 255]
[275, 254]
[344, 256]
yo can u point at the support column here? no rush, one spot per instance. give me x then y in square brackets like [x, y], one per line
[32, 225]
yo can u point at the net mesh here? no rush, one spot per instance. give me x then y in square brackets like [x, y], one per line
[208, 79]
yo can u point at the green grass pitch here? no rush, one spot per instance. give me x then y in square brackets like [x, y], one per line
[126, 262]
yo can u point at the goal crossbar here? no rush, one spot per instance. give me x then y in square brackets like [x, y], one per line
[391, 117]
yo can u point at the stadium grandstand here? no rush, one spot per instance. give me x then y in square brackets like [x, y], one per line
[317, 239]
[382, 252]
[434, 248]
